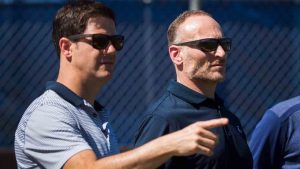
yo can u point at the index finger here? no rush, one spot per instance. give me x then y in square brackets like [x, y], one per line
[213, 123]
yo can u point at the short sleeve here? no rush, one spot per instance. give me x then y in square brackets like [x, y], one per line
[52, 136]
[264, 143]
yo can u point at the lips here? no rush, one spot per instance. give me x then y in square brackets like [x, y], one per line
[218, 63]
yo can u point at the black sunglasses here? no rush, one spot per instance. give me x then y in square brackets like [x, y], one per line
[101, 41]
[209, 44]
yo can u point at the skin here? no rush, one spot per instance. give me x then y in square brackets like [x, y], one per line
[84, 70]
[198, 70]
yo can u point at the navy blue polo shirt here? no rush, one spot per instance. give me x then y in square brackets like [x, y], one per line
[180, 107]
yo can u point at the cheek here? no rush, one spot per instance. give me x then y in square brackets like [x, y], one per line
[198, 62]
[195, 59]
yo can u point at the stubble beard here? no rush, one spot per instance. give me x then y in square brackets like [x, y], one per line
[204, 73]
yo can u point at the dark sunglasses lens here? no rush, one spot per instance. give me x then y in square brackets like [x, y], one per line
[118, 42]
[209, 45]
[100, 41]
[226, 44]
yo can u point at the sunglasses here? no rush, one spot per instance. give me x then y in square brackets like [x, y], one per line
[209, 44]
[101, 41]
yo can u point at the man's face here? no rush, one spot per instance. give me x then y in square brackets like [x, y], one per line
[198, 64]
[89, 61]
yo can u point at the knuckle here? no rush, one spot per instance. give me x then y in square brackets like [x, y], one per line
[200, 131]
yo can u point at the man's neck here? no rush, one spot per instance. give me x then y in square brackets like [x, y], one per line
[204, 87]
[85, 88]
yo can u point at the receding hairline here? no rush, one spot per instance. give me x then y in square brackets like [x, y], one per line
[179, 21]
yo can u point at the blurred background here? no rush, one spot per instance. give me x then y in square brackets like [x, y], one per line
[262, 67]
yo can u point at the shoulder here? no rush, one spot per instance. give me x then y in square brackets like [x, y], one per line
[49, 108]
[52, 106]
[170, 107]
[287, 108]
[162, 107]
[271, 138]
[49, 98]
[159, 115]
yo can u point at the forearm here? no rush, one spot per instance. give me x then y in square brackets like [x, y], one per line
[148, 156]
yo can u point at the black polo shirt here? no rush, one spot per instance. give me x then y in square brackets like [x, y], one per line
[180, 107]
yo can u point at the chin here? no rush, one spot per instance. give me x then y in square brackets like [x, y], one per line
[104, 75]
[215, 78]
[218, 78]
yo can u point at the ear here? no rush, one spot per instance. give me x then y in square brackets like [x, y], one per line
[174, 52]
[65, 48]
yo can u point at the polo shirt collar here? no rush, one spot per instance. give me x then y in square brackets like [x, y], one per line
[188, 94]
[69, 95]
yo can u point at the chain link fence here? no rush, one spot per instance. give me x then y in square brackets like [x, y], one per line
[262, 69]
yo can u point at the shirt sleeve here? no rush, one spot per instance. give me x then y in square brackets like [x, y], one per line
[265, 142]
[52, 136]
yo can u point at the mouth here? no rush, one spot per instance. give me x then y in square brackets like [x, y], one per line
[218, 67]
[107, 61]
[218, 64]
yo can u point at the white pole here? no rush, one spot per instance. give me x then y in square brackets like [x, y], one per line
[194, 4]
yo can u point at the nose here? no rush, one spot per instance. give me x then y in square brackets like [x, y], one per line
[220, 52]
[110, 48]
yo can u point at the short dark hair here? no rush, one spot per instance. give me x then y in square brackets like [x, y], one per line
[72, 18]
[172, 30]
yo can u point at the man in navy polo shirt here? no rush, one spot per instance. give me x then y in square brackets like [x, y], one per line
[275, 142]
[198, 51]
[66, 128]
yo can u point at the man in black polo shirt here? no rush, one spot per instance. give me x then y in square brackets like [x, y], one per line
[198, 51]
